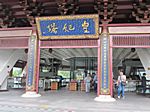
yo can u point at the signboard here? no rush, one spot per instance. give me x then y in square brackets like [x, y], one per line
[68, 27]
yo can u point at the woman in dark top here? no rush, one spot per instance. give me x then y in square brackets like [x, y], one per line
[144, 83]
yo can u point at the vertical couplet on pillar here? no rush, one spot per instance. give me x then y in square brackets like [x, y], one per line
[32, 64]
[104, 71]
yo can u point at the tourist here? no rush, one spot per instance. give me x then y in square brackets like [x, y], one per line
[121, 84]
[87, 82]
[144, 83]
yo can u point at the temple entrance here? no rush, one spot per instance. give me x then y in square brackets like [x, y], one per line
[130, 54]
[65, 67]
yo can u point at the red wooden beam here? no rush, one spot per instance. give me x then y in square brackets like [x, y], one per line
[126, 25]
[19, 28]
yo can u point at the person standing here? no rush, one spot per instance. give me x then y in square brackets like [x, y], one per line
[95, 82]
[121, 84]
[87, 82]
[144, 83]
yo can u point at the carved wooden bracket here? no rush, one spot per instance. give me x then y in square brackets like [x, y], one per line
[141, 11]
[32, 9]
[106, 10]
[7, 19]
[67, 6]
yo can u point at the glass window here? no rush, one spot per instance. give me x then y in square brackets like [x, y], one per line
[17, 72]
[64, 73]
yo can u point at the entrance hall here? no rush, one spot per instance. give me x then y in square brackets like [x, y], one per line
[131, 55]
[65, 67]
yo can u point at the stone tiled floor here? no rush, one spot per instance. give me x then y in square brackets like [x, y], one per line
[70, 101]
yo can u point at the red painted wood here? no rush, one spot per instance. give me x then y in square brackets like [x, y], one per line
[98, 68]
[130, 46]
[69, 44]
[38, 67]
[19, 28]
[131, 40]
[16, 43]
[110, 69]
[126, 25]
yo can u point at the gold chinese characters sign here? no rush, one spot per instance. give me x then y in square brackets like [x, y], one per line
[68, 27]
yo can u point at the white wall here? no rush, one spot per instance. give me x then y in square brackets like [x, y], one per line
[4, 56]
[9, 58]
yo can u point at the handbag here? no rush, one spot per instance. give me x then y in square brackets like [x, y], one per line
[123, 83]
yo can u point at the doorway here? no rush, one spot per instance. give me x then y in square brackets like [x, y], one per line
[130, 53]
[68, 61]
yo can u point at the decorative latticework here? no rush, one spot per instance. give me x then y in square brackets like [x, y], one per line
[32, 9]
[66, 7]
[7, 18]
[106, 9]
[141, 10]
[131, 40]
[14, 43]
[71, 43]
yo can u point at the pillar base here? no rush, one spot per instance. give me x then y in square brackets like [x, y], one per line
[104, 98]
[30, 95]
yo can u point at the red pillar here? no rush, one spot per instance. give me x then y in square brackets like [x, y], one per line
[111, 66]
[32, 67]
[104, 67]
[38, 66]
[98, 69]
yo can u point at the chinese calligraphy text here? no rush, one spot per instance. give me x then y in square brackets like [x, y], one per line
[64, 27]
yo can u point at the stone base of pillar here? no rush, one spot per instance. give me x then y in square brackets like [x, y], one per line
[30, 95]
[104, 98]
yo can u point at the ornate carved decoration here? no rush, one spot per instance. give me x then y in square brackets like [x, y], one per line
[32, 9]
[106, 10]
[67, 6]
[141, 11]
[7, 19]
